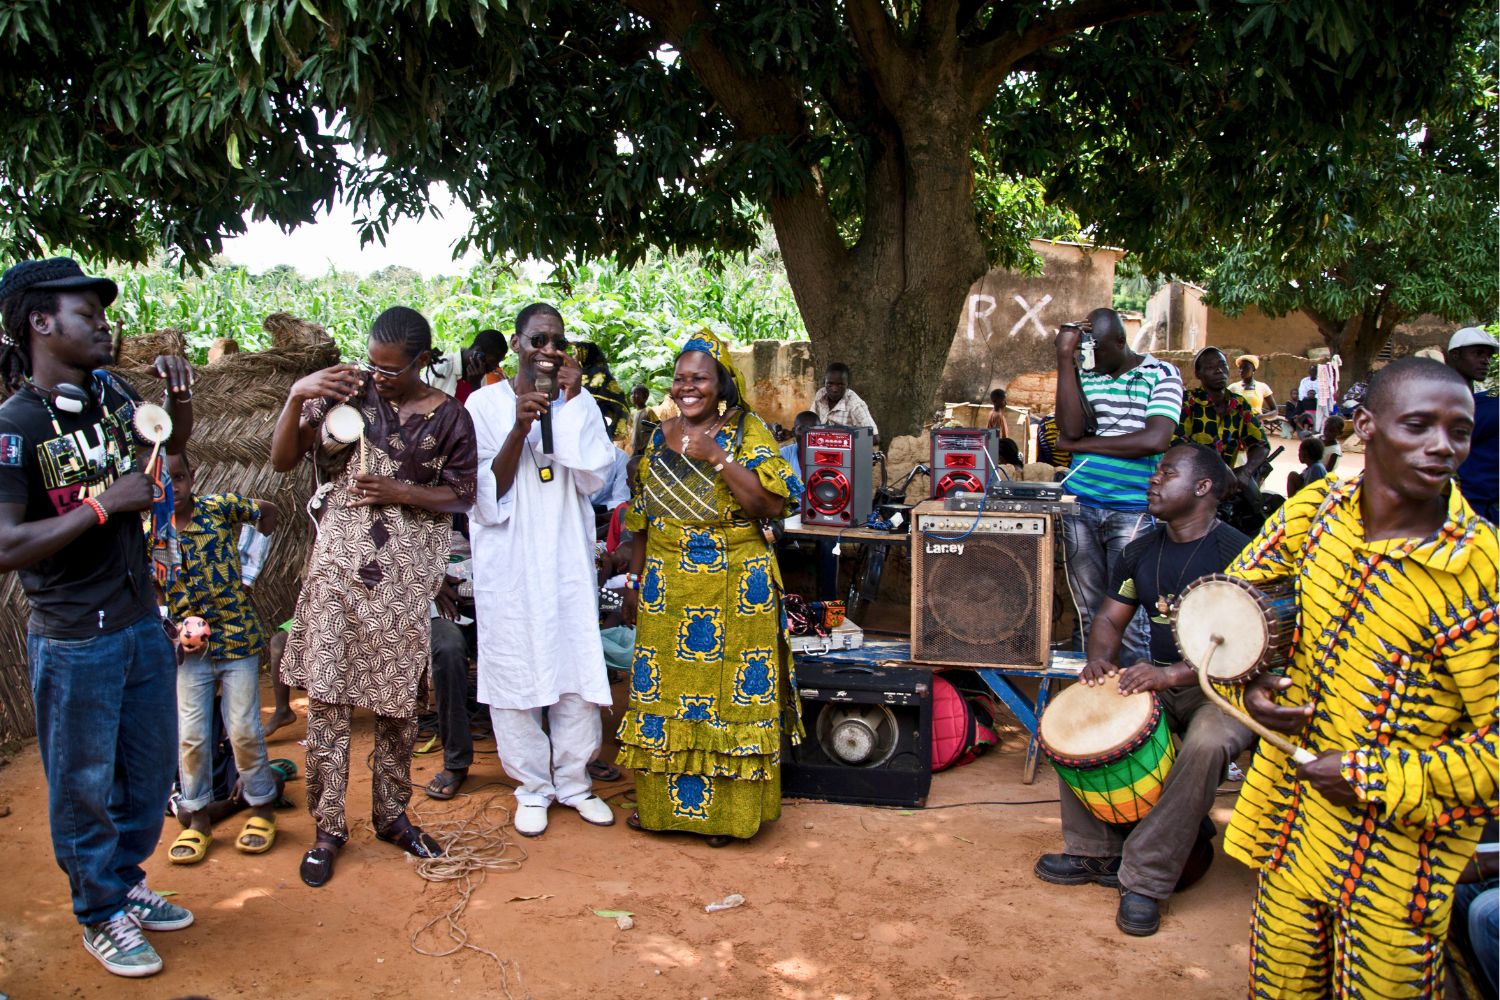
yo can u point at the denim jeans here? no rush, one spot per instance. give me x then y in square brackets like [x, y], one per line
[1476, 915]
[239, 681]
[106, 723]
[1093, 539]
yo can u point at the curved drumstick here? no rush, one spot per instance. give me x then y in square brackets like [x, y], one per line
[1299, 754]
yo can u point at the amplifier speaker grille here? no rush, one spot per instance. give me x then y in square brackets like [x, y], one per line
[989, 605]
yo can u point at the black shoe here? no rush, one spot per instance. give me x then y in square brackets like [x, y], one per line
[1075, 869]
[317, 866]
[410, 838]
[1138, 915]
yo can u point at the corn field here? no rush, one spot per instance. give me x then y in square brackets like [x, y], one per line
[637, 316]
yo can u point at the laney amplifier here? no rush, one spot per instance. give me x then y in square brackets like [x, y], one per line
[869, 735]
[836, 471]
[963, 459]
[981, 587]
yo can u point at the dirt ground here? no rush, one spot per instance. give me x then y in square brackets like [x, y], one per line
[843, 902]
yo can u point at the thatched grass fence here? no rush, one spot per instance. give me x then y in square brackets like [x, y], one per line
[235, 404]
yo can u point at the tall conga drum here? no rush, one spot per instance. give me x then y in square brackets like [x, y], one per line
[1113, 750]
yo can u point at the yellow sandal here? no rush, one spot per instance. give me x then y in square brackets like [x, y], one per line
[194, 841]
[265, 829]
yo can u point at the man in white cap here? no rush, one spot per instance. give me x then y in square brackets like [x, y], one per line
[1470, 352]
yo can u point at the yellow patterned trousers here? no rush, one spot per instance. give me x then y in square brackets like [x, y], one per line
[1305, 949]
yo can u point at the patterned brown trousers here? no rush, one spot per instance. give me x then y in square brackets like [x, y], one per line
[328, 767]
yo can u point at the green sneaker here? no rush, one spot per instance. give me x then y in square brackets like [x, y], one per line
[120, 947]
[154, 913]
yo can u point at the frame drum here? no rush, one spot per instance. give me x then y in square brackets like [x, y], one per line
[1257, 626]
[342, 426]
[1113, 750]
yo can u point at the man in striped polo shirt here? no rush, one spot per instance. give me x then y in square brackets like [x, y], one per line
[1116, 419]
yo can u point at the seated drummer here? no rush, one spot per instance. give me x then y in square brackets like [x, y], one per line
[1147, 861]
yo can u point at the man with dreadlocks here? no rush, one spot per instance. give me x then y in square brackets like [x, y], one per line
[103, 672]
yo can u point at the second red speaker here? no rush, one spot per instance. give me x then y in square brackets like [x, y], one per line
[963, 459]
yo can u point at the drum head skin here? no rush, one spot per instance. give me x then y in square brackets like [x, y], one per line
[344, 423]
[1085, 721]
[152, 423]
[1225, 608]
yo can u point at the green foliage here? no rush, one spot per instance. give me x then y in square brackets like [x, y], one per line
[1409, 223]
[638, 316]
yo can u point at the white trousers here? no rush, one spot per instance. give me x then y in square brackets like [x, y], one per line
[550, 769]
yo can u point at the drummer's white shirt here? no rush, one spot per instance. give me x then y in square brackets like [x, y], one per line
[535, 585]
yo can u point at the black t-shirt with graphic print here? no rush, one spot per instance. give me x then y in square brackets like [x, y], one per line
[1153, 564]
[49, 461]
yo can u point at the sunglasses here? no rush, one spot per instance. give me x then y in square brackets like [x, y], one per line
[365, 366]
[558, 341]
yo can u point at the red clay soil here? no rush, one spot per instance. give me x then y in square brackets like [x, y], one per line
[842, 902]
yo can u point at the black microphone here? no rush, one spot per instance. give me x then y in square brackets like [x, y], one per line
[543, 384]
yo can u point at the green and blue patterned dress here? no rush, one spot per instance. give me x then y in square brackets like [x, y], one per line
[711, 671]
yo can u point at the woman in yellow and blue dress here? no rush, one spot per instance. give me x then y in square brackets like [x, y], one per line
[711, 673]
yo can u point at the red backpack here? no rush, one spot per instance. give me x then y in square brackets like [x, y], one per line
[962, 726]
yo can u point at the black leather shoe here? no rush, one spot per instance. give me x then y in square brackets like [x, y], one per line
[317, 866]
[1138, 915]
[410, 838]
[1074, 869]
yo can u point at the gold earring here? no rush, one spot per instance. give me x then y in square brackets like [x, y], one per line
[723, 407]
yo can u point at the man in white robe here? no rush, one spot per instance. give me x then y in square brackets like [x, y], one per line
[535, 586]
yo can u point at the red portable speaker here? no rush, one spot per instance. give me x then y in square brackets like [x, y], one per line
[963, 460]
[836, 471]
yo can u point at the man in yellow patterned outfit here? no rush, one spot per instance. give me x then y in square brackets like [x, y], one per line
[1393, 687]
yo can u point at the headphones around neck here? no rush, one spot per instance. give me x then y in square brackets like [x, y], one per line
[66, 396]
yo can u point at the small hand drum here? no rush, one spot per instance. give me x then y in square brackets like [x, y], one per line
[152, 423]
[342, 426]
[1255, 626]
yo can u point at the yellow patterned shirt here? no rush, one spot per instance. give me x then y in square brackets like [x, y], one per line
[209, 583]
[1396, 651]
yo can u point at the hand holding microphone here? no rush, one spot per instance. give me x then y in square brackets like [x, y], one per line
[545, 385]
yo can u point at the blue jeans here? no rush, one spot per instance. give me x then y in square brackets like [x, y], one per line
[1476, 925]
[239, 681]
[1093, 539]
[106, 723]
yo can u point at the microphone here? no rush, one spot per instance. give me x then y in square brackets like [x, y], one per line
[543, 384]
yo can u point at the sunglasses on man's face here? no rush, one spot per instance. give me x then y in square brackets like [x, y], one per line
[558, 341]
[373, 369]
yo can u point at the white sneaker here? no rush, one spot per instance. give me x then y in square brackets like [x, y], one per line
[594, 810]
[154, 913]
[120, 947]
[531, 821]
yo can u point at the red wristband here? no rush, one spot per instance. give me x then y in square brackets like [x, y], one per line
[99, 511]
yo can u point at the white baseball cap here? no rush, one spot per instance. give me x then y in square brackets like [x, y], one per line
[1472, 336]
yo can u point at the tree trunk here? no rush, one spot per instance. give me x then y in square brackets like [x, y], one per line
[1360, 338]
[889, 306]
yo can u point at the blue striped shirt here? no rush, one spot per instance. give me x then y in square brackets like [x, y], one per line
[1121, 405]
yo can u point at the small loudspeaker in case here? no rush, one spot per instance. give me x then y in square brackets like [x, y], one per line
[869, 735]
[981, 587]
[836, 471]
[963, 460]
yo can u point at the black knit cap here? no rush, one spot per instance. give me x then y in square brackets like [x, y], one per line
[60, 274]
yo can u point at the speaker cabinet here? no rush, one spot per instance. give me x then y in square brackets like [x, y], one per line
[836, 471]
[981, 587]
[869, 735]
[963, 460]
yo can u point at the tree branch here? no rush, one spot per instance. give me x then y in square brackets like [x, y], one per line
[884, 57]
[757, 105]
